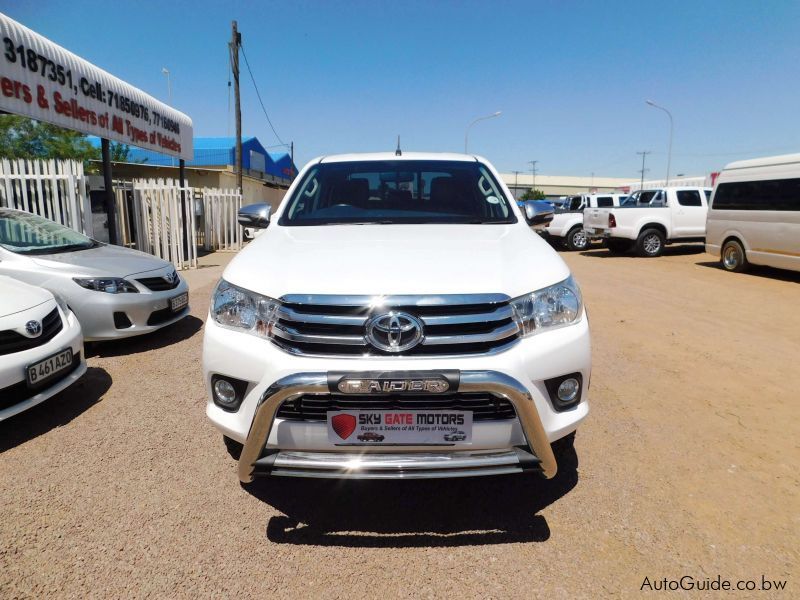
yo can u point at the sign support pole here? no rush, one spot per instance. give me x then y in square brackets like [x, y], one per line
[111, 201]
[187, 220]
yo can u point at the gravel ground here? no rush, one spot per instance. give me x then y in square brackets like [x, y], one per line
[688, 465]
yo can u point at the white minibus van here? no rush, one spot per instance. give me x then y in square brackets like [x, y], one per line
[754, 215]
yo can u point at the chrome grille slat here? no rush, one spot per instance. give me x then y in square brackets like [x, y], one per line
[452, 324]
[293, 335]
[288, 314]
[497, 334]
[504, 312]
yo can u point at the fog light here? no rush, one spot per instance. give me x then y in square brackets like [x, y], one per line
[224, 392]
[565, 391]
[568, 390]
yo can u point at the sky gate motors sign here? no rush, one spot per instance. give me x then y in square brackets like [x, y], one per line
[42, 80]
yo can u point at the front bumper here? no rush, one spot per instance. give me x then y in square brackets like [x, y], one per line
[387, 462]
[146, 311]
[13, 367]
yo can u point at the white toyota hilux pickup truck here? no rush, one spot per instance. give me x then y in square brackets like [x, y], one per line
[651, 219]
[566, 228]
[397, 318]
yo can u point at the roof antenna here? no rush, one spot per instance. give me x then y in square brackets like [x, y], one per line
[398, 152]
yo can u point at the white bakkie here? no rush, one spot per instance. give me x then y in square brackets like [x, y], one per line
[650, 220]
[398, 317]
[566, 228]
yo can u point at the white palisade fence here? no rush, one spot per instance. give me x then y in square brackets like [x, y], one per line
[159, 218]
[55, 189]
[221, 227]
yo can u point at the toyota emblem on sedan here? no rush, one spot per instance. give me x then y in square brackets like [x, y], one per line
[170, 277]
[394, 331]
[34, 328]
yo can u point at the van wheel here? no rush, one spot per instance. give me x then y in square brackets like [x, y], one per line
[618, 246]
[733, 257]
[650, 243]
[576, 239]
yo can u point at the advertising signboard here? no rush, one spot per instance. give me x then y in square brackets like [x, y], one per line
[42, 80]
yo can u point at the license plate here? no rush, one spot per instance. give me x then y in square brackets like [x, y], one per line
[40, 372]
[399, 427]
[179, 302]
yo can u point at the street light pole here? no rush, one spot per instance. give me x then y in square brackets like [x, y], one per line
[466, 133]
[516, 185]
[671, 126]
[165, 71]
[532, 163]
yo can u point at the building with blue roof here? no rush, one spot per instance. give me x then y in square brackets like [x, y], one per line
[221, 152]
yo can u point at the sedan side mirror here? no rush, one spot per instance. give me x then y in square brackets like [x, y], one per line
[255, 216]
[538, 213]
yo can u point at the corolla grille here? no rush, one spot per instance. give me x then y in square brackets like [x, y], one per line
[11, 341]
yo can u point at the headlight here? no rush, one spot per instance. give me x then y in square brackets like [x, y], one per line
[548, 308]
[62, 304]
[112, 285]
[241, 309]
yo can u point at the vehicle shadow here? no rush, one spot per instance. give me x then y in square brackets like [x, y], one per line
[56, 411]
[680, 250]
[413, 513]
[758, 271]
[171, 334]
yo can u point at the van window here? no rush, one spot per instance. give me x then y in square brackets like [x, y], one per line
[689, 198]
[605, 201]
[778, 194]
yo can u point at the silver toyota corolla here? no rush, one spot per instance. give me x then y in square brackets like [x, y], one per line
[114, 291]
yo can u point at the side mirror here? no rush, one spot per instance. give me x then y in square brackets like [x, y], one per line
[255, 216]
[538, 213]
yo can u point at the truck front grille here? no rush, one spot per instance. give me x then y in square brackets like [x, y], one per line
[451, 324]
[484, 406]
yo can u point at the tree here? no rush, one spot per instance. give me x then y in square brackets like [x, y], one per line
[533, 195]
[21, 137]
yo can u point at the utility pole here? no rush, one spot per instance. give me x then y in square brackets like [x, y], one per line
[532, 163]
[644, 154]
[291, 156]
[516, 187]
[236, 40]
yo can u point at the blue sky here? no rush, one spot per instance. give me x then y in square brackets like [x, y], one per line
[570, 77]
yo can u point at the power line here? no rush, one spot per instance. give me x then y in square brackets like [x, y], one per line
[259, 97]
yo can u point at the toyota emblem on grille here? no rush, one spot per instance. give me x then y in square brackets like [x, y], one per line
[394, 331]
[34, 328]
[170, 277]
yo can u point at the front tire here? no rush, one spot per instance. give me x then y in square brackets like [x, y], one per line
[650, 243]
[733, 257]
[577, 240]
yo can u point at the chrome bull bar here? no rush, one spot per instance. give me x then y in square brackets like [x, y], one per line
[469, 381]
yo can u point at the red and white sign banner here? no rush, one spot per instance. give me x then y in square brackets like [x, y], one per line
[42, 80]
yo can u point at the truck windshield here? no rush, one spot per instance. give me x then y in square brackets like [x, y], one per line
[397, 192]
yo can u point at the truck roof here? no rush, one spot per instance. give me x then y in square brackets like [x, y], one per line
[370, 156]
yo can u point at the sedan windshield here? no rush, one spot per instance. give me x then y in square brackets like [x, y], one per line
[397, 192]
[25, 233]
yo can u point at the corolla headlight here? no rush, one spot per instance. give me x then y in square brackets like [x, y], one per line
[548, 308]
[62, 304]
[111, 285]
[237, 308]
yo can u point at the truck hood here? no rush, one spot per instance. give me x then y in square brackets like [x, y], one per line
[397, 259]
[102, 261]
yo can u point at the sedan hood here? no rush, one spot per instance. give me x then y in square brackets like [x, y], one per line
[16, 296]
[397, 259]
[104, 260]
